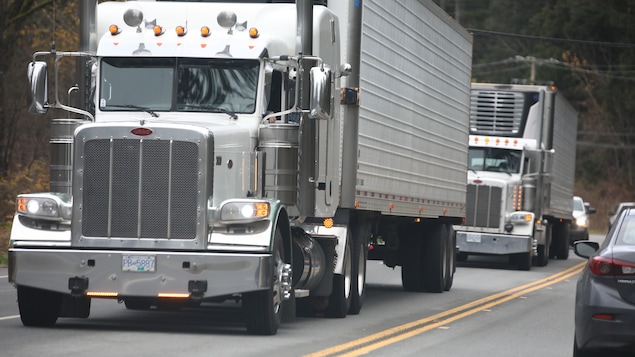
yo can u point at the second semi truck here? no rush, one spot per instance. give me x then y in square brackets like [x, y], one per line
[521, 169]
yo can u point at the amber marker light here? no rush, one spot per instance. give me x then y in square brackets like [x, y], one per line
[21, 204]
[181, 31]
[102, 294]
[114, 30]
[253, 32]
[328, 222]
[174, 295]
[205, 31]
[262, 209]
[158, 30]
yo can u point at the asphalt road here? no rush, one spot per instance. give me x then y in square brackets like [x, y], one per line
[492, 310]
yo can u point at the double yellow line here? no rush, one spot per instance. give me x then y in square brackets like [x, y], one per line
[399, 333]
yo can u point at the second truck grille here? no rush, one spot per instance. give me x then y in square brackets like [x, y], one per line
[483, 206]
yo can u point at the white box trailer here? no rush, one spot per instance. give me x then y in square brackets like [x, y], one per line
[412, 110]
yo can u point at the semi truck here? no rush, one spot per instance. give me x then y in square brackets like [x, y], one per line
[521, 171]
[257, 151]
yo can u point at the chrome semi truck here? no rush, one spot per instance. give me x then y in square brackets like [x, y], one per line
[258, 152]
[521, 172]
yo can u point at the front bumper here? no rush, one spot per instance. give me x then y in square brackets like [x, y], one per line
[223, 273]
[490, 243]
[578, 233]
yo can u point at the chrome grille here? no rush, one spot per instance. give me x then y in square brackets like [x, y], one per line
[140, 189]
[496, 112]
[483, 206]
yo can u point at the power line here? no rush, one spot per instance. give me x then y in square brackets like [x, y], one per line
[550, 39]
[552, 63]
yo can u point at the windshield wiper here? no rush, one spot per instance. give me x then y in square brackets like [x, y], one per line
[211, 109]
[132, 106]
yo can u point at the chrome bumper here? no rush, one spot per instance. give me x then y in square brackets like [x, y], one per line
[488, 243]
[102, 270]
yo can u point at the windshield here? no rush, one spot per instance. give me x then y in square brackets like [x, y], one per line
[494, 159]
[578, 205]
[178, 84]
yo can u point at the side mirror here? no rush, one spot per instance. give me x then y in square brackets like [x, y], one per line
[37, 73]
[585, 248]
[320, 101]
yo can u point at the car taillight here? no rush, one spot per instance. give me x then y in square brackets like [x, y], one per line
[604, 266]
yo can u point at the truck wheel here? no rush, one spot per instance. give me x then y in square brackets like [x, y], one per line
[435, 259]
[451, 258]
[542, 259]
[38, 307]
[341, 295]
[410, 258]
[263, 309]
[560, 241]
[360, 256]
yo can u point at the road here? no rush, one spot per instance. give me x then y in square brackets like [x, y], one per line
[492, 310]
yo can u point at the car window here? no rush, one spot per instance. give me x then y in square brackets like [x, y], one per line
[626, 235]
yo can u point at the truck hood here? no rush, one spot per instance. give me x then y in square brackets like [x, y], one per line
[498, 179]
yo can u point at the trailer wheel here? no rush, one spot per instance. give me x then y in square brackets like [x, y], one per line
[451, 258]
[360, 256]
[263, 309]
[410, 257]
[38, 307]
[435, 259]
[341, 295]
[424, 258]
[560, 241]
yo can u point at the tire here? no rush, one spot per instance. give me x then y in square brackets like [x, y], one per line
[560, 241]
[38, 307]
[435, 259]
[451, 260]
[360, 257]
[542, 259]
[461, 257]
[341, 295]
[263, 309]
[411, 264]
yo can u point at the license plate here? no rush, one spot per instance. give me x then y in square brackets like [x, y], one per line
[473, 238]
[138, 263]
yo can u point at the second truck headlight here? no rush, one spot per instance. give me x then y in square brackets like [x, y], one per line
[239, 211]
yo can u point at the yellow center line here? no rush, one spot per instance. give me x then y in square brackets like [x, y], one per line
[402, 332]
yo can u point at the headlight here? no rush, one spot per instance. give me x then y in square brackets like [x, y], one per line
[49, 206]
[581, 222]
[244, 211]
[521, 217]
